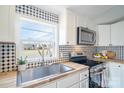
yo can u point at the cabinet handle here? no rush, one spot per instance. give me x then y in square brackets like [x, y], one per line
[85, 75]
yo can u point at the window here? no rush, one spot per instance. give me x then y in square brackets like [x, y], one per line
[38, 40]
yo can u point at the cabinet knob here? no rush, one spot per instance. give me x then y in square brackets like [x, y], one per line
[119, 66]
[85, 75]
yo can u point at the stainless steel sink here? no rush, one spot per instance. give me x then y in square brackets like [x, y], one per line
[41, 72]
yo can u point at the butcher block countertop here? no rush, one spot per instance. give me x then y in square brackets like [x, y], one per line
[8, 79]
[108, 60]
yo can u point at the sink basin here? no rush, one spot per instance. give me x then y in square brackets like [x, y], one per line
[41, 72]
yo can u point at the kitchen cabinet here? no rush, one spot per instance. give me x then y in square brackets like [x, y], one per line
[104, 35]
[84, 83]
[111, 34]
[71, 28]
[84, 79]
[68, 81]
[67, 28]
[49, 85]
[115, 75]
[122, 75]
[117, 33]
[77, 85]
[76, 80]
[80, 80]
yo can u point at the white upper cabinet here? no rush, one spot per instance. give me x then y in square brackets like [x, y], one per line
[71, 28]
[104, 35]
[117, 33]
[111, 34]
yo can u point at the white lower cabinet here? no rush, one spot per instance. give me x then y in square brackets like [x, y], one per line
[77, 85]
[122, 76]
[114, 75]
[48, 85]
[68, 81]
[76, 80]
[84, 83]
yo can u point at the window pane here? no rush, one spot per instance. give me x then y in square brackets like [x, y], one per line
[38, 40]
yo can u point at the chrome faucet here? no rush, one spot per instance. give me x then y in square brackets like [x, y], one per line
[41, 53]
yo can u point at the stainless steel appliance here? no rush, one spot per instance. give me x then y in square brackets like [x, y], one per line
[97, 78]
[96, 70]
[85, 36]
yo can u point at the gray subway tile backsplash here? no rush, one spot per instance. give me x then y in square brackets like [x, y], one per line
[66, 49]
[119, 50]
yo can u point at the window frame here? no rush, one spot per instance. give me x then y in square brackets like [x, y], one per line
[40, 22]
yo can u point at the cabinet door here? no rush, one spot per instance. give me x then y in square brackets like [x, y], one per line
[77, 85]
[114, 75]
[48, 85]
[71, 28]
[84, 83]
[122, 77]
[117, 33]
[104, 35]
[68, 81]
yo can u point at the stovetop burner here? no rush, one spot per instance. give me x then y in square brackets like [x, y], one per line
[85, 61]
[92, 63]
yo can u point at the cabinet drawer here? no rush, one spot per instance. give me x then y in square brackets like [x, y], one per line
[84, 74]
[68, 81]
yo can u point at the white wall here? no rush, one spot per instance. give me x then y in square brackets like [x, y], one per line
[7, 23]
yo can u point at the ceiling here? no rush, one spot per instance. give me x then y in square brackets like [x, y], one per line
[101, 14]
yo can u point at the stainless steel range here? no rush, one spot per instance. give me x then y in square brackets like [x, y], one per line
[96, 70]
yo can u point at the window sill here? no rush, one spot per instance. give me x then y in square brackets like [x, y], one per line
[35, 60]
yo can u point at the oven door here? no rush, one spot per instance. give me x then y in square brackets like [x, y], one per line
[97, 79]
